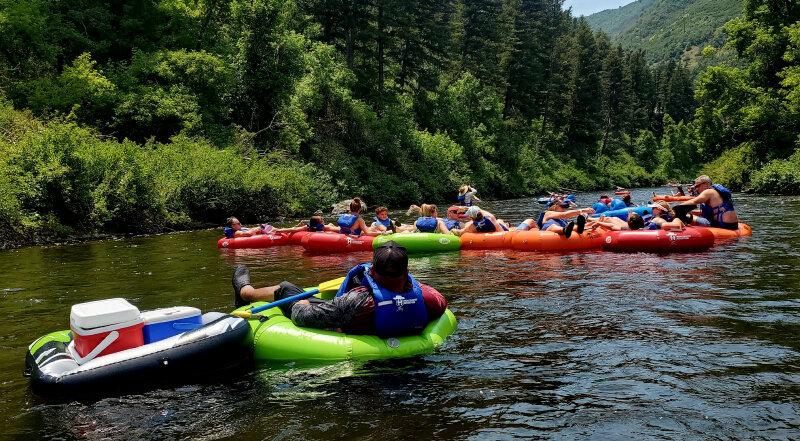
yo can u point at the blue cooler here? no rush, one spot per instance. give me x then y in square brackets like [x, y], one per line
[167, 322]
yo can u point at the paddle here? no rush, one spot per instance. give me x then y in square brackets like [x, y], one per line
[325, 286]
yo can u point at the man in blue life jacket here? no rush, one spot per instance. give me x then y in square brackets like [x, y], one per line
[716, 205]
[380, 298]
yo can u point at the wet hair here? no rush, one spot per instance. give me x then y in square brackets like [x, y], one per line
[604, 196]
[390, 259]
[355, 206]
[427, 210]
[316, 220]
[635, 222]
[380, 210]
[626, 198]
[229, 221]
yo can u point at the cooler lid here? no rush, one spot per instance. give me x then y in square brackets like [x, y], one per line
[169, 314]
[102, 313]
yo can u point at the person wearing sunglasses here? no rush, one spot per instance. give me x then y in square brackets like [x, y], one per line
[233, 228]
[716, 206]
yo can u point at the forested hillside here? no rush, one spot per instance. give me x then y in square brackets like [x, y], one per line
[145, 115]
[148, 115]
[613, 21]
[667, 29]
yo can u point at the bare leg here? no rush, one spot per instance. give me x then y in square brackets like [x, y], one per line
[265, 294]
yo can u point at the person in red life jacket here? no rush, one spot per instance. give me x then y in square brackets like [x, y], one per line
[716, 206]
[380, 298]
[233, 228]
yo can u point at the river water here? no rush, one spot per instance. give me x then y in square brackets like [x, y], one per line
[580, 345]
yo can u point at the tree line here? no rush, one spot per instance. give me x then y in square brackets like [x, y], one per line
[274, 107]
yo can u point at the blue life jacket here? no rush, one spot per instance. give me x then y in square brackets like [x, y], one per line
[387, 223]
[570, 197]
[396, 314]
[599, 207]
[485, 226]
[426, 224]
[539, 220]
[346, 222]
[462, 199]
[617, 204]
[560, 222]
[452, 224]
[651, 226]
[229, 232]
[714, 215]
[318, 227]
[523, 227]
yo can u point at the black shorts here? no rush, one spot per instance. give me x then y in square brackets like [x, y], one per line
[288, 289]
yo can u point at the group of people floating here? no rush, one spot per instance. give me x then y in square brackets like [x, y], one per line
[715, 201]
[382, 298]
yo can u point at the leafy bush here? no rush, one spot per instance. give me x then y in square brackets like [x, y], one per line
[780, 176]
[732, 169]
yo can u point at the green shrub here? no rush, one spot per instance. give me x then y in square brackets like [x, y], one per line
[780, 176]
[732, 169]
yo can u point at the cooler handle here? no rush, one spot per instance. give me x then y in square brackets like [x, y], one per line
[186, 326]
[110, 338]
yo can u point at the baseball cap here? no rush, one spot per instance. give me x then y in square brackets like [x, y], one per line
[390, 259]
[453, 209]
[473, 212]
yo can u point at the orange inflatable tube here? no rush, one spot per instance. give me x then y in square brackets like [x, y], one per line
[331, 242]
[721, 233]
[670, 198]
[257, 241]
[485, 241]
[537, 240]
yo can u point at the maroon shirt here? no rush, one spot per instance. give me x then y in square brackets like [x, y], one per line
[354, 312]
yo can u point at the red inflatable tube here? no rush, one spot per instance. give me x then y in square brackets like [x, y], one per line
[659, 241]
[257, 241]
[296, 238]
[330, 242]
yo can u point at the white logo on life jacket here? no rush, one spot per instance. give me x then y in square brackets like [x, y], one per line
[400, 301]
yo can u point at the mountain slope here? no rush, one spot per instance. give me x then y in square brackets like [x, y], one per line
[667, 29]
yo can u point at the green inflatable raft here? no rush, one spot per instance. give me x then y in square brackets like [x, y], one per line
[421, 242]
[275, 337]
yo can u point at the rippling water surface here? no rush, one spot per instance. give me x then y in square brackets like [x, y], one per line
[583, 345]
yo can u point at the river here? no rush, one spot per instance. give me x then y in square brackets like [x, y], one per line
[580, 345]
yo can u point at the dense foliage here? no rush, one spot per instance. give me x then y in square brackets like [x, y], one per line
[748, 115]
[152, 114]
[667, 29]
